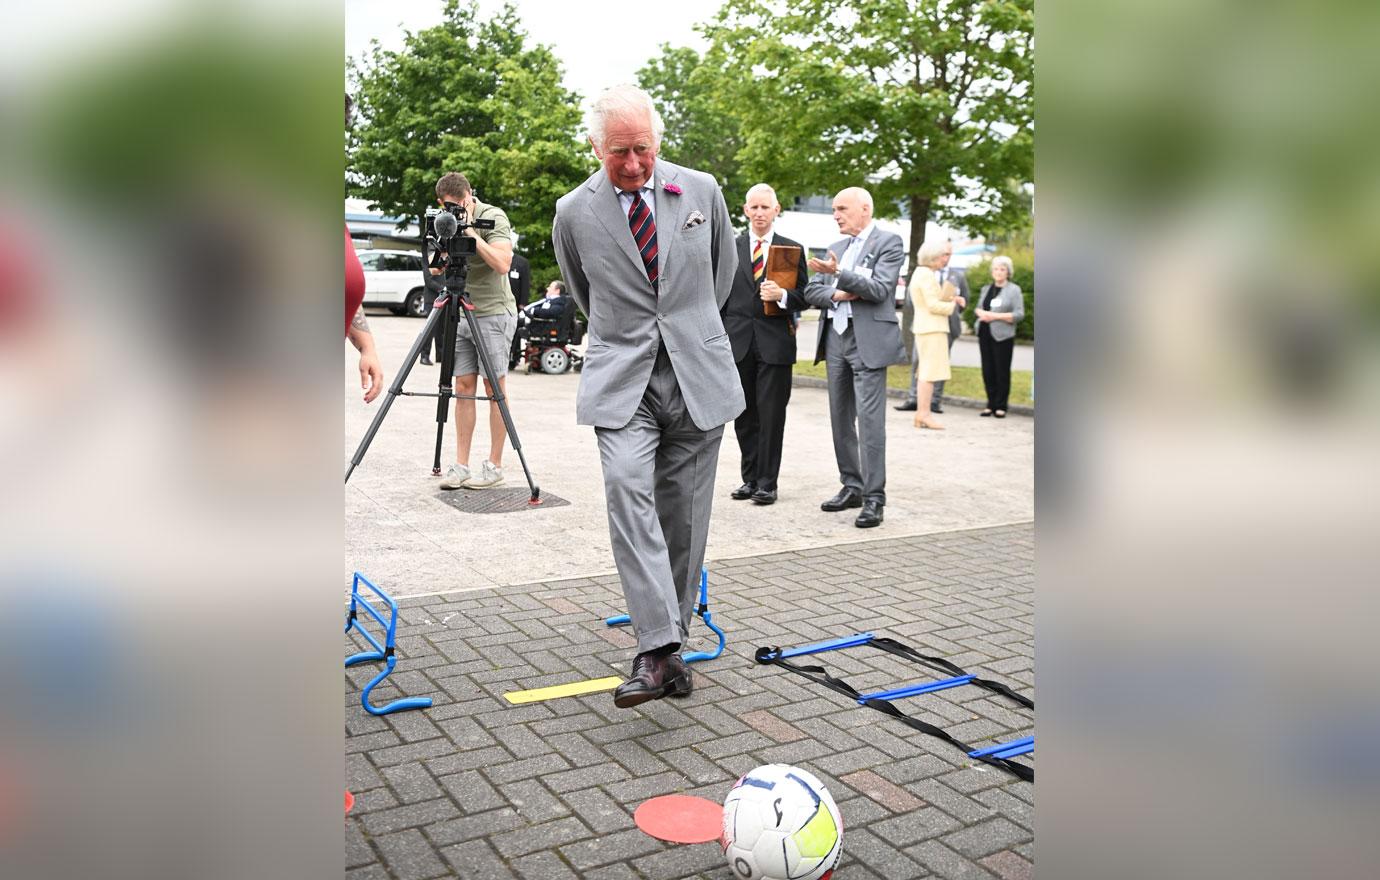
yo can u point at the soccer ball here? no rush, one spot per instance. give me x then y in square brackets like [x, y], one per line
[781, 824]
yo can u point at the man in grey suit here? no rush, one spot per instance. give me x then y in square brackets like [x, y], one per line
[859, 337]
[958, 279]
[646, 249]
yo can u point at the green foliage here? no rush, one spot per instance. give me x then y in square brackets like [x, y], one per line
[1023, 274]
[469, 96]
[928, 103]
[963, 381]
[701, 133]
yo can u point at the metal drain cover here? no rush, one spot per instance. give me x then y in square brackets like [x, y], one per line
[497, 500]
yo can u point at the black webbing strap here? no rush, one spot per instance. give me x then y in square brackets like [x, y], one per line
[819, 675]
[891, 646]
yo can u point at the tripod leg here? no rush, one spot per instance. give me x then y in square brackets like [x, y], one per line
[502, 401]
[444, 384]
[394, 390]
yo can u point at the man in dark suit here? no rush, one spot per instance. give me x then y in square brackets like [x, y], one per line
[859, 337]
[959, 279]
[763, 345]
[435, 285]
[520, 279]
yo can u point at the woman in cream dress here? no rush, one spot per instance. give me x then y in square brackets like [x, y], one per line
[933, 305]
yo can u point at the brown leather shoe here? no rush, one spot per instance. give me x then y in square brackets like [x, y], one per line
[647, 682]
[679, 681]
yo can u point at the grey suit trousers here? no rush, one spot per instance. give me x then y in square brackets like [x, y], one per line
[856, 395]
[659, 486]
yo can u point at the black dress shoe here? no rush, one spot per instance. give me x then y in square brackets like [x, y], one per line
[647, 682]
[743, 492]
[763, 496]
[871, 515]
[937, 409]
[845, 499]
[679, 681]
[906, 407]
[426, 361]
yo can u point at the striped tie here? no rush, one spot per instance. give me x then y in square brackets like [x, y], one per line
[759, 264]
[644, 234]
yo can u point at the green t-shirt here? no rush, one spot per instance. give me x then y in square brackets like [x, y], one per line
[489, 290]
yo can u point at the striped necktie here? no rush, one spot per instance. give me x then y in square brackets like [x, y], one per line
[759, 262]
[644, 234]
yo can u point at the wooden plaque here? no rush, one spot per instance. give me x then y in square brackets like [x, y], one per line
[782, 263]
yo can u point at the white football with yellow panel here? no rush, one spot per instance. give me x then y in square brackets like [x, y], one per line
[780, 823]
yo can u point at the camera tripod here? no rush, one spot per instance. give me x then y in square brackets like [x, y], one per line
[447, 309]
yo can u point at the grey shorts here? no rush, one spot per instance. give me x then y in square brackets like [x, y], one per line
[496, 333]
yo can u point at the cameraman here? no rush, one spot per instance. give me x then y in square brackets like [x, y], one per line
[495, 314]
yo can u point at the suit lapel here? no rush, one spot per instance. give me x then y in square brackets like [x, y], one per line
[606, 208]
[745, 257]
[671, 211]
[865, 249]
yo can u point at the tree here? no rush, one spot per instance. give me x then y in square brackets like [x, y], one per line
[701, 132]
[469, 96]
[927, 103]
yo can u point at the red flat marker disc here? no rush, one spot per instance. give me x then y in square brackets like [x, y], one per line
[680, 818]
[349, 801]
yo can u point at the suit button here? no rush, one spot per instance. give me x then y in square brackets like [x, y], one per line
[661, 317]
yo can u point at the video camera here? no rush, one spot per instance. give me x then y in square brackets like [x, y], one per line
[443, 228]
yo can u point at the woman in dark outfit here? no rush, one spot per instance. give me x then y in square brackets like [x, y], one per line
[1001, 306]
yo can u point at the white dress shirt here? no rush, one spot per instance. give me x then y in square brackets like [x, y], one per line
[766, 241]
[842, 312]
[625, 198]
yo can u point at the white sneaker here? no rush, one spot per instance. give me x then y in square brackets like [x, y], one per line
[489, 475]
[455, 477]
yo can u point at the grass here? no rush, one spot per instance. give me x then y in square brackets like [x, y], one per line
[966, 381]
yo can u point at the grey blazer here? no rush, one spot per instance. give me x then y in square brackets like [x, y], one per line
[875, 324]
[1009, 300]
[958, 278]
[602, 270]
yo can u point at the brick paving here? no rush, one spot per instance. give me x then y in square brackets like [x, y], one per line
[476, 788]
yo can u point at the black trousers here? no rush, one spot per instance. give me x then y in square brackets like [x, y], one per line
[762, 426]
[996, 367]
[435, 344]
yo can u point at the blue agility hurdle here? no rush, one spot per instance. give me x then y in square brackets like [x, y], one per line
[702, 611]
[383, 652]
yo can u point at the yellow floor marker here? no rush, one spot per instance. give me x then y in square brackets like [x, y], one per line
[574, 689]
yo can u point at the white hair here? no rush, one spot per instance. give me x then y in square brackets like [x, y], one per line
[930, 251]
[622, 101]
[858, 193]
[762, 187]
[1004, 261]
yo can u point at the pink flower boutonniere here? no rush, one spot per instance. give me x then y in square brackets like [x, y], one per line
[671, 188]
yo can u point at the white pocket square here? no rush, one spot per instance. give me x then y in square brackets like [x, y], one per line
[695, 219]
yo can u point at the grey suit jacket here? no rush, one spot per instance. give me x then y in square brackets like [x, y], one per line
[875, 325]
[602, 270]
[1009, 300]
[958, 278]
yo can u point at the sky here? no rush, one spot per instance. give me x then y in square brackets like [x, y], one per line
[598, 43]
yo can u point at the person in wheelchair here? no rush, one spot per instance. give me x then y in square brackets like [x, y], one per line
[548, 328]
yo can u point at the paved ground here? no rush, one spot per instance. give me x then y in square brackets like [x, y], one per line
[475, 788]
[977, 473]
